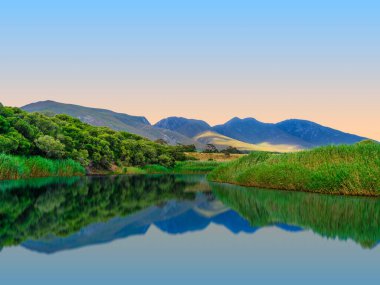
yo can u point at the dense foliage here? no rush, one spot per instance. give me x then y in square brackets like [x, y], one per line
[62, 136]
[356, 218]
[344, 169]
[210, 148]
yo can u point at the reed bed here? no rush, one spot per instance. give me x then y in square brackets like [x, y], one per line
[344, 169]
[18, 167]
[181, 167]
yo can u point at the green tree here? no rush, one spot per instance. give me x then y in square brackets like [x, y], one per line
[210, 148]
[231, 150]
[50, 146]
[161, 141]
[6, 144]
[24, 128]
[4, 125]
[166, 160]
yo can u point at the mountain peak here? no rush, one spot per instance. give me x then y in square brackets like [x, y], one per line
[187, 127]
[238, 120]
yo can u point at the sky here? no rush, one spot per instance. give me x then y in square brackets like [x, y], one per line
[207, 59]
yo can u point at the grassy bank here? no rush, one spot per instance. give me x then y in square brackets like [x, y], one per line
[181, 167]
[221, 157]
[17, 167]
[346, 169]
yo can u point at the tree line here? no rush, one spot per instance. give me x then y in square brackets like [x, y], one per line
[62, 136]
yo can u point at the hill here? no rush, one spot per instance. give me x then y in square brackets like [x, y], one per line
[253, 131]
[221, 142]
[316, 134]
[301, 133]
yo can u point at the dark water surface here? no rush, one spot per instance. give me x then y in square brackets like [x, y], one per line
[168, 229]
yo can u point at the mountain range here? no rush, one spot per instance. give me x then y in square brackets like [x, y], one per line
[245, 134]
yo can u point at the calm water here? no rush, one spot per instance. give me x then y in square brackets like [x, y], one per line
[182, 230]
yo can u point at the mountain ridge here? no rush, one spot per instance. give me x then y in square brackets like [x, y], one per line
[188, 127]
[315, 133]
[295, 134]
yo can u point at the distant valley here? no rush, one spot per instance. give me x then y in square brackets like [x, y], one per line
[245, 134]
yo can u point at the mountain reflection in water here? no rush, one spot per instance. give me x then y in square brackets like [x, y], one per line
[55, 214]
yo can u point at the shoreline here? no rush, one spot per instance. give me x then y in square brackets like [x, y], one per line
[364, 195]
[296, 191]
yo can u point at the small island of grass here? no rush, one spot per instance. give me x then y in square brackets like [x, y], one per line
[344, 169]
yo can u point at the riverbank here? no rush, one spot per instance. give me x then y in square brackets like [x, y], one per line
[344, 170]
[18, 167]
[180, 167]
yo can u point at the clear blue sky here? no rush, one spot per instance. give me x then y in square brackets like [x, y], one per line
[207, 59]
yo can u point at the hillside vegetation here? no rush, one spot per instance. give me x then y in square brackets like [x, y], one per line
[345, 169]
[65, 137]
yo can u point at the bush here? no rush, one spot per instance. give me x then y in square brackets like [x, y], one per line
[49, 146]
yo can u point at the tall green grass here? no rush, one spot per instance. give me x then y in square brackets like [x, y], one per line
[345, 169]
[195, 167]
[17, 167]
[181, 167]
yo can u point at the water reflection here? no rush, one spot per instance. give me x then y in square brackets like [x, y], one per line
[355, 218]
[34, 209]
[55, 214]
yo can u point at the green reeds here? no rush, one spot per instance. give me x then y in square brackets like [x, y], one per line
[17, 167]
[195, 167]
[181, 167]
[345, 169]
